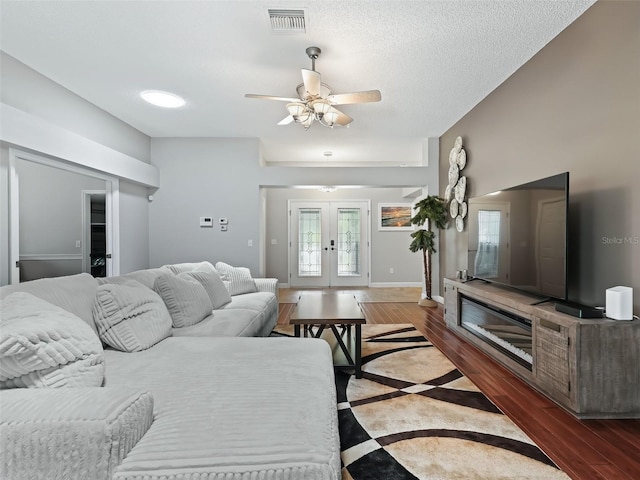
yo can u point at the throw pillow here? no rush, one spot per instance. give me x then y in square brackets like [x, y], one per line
[185, 298]
[179, 268]
[45, 346]
[237, 279]
[214, 286]
[130, 317]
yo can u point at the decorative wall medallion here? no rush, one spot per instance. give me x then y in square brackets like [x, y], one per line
[460, 189]
[457, 189]
[461, 159]
[447, 193]
[453, 208]
[458, 144]
[454, 174]
[453, 157]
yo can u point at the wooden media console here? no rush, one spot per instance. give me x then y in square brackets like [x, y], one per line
[591, 367]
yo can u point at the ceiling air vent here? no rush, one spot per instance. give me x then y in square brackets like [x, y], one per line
[287, 21]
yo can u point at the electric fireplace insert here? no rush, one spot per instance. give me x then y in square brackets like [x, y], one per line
[503, 330]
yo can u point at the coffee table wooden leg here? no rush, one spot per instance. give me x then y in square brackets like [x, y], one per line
[296, 330]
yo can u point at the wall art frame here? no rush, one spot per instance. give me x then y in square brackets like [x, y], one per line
[395, 217]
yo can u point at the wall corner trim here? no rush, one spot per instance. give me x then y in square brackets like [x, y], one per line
[29, 131]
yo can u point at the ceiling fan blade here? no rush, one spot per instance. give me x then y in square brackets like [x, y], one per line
[271, 97]
[286, 120]
[343, 119]
[355, 97]
[311, 80]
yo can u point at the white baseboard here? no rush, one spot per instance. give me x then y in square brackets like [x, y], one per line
[437, 298]
[383, 285]
[375, 284]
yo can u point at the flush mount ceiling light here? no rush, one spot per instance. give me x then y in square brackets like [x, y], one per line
[162, 99]
[315, 102]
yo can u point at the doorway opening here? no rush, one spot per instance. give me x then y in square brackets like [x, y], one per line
[54, 213]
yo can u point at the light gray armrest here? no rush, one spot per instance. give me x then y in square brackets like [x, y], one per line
[70, 433]
[267, 285]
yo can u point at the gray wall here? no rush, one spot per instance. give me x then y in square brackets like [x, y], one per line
[205, 177]
[4, 214]
[28, 90]
[223, 178]
[134, 227]
[573, 107]
[388, 249]
[51, 208]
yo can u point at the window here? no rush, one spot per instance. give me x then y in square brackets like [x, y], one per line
[309, 246]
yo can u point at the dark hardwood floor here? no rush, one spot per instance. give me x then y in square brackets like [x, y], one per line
[584, 449]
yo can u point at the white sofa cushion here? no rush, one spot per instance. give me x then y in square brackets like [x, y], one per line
[145, 277]
[130, 317]
[238, 280]
[212, 283]
[70, 434]
[74, 293]
[235, 408]
[179, 268]
[185, 298]
[45, 346]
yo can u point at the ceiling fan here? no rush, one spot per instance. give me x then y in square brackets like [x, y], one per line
[315, 102]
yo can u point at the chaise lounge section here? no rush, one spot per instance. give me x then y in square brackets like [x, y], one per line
[206, 401]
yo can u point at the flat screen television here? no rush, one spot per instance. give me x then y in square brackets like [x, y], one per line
[518, 236]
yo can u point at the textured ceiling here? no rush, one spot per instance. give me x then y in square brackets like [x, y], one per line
[433, 61]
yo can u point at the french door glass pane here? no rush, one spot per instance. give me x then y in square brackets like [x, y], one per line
[486, 262]
[309, 247]
[348, 242]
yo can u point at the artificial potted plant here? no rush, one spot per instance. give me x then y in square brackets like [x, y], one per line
[431, 210]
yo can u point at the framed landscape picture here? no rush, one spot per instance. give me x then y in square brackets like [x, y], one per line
[394, 217]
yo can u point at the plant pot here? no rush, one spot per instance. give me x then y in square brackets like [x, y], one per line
[425, 302]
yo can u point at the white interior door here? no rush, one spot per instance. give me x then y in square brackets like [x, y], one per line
[550, 241]
[329, 243]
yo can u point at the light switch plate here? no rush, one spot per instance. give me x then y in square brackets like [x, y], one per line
[206, 222]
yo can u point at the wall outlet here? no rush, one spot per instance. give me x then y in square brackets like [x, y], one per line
[391, 270]
[250, 243]
[78, 244]
[274, 241]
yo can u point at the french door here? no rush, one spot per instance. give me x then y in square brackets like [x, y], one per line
[328, 243]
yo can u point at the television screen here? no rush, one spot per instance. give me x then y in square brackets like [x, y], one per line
[518, 236]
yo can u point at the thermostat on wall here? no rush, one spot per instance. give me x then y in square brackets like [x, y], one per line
[206, 222]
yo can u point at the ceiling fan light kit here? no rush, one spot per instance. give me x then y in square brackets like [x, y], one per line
[316, 103]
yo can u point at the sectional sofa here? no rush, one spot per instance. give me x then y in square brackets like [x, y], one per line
[161, 374]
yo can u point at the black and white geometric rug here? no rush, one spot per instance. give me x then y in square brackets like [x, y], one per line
[414, 416]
